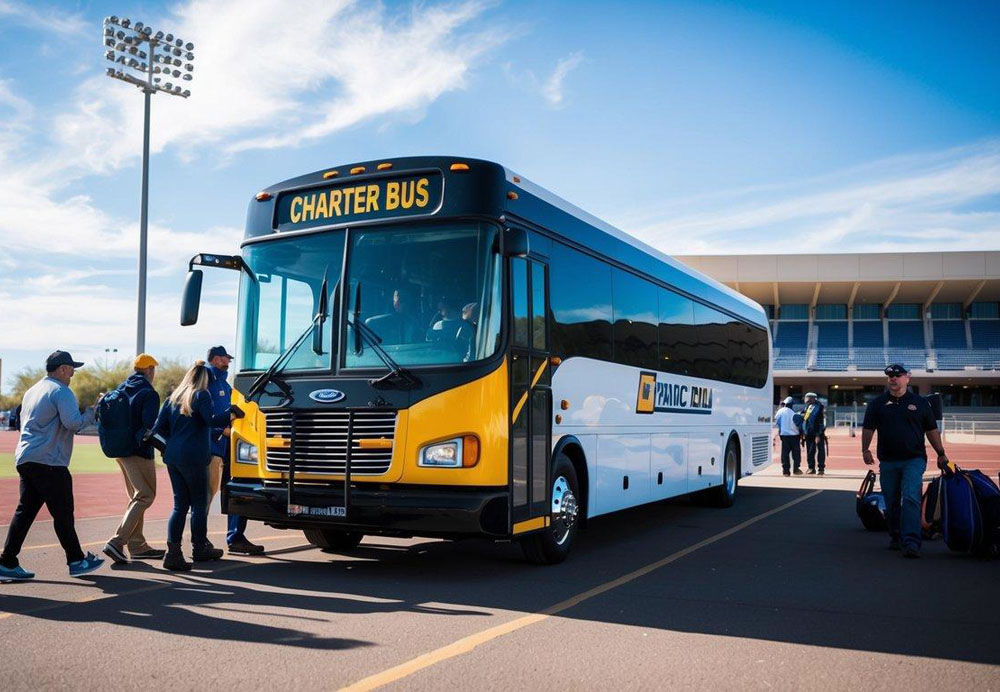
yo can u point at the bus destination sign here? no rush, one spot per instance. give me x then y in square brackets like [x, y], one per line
[348, 201]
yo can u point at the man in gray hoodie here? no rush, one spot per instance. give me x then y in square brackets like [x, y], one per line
[49, 418]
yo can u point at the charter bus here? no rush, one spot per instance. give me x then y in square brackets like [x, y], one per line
[435, 346]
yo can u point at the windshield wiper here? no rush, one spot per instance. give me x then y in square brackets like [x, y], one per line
[282, 360]
[398, 376]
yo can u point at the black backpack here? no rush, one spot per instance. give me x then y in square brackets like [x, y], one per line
[870, 505]
[114, 424]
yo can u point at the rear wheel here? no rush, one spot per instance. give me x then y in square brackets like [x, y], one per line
[333, 540]
[725, 494]
[552, 544]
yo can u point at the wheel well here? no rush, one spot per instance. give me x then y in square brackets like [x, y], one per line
[576, 456]
[735, 439]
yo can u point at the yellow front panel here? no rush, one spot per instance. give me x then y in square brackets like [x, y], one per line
[477, 408]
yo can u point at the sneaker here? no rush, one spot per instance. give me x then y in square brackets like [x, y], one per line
[894, 544]
[147, 554]
[88, 564]
[786, 473]
[811, 472]
[116, 554]
[820, 472]
[245, 547]
[911, 552]
[15, 574]
[797, 472]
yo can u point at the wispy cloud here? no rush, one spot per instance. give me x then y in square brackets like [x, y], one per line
[552, 89]
[938, 200]
[34, 17]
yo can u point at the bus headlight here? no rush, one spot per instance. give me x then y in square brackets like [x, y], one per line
[246, 453]
[456, 453]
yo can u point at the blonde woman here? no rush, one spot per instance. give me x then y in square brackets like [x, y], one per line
[186, 421]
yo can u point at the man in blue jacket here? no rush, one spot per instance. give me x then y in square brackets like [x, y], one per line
[218, 361]
[814, 429]
[139, 469]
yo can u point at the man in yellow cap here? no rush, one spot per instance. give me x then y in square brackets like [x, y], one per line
[138, 468]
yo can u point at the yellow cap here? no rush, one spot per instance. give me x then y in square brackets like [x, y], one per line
[143, 361]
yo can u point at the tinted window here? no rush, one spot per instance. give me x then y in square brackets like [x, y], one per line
[678, 341]
[712, 357]
[635, 312]
[580, 300]
[538, 306]
[519, 283]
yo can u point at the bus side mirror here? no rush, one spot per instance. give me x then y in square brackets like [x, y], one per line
[515, 242]
[192, 298]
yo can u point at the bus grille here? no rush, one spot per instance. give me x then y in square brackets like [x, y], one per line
[760, 447]
[321, 441]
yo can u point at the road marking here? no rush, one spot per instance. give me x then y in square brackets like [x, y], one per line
[84, 545]
[467, 644]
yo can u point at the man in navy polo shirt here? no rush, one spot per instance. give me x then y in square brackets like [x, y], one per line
[221, 391]
[902, 419]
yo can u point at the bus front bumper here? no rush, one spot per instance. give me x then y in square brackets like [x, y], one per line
[397, 510]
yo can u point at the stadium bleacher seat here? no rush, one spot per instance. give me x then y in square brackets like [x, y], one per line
[962, 358]
[869, 358]
[985, 333]
[949, 334]
[906, 334]
[792, 335]
[790, 358]
[868, 334]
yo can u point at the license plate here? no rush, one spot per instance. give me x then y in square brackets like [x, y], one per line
[317, 511]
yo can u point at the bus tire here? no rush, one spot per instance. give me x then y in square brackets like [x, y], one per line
[724, 495]
[552, 544]
[332, 540]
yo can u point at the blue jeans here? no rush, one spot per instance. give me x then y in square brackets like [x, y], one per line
[902, 482]
[237, 526]
[190, 485]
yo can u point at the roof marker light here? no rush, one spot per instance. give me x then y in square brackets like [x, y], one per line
[330, 174]
[384, 166]
[263, 196]
[517, 179]
[511, 195]
[459, 167]
[357, 169]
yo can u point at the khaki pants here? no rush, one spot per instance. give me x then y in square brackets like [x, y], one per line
[140, 484]
[214, 478]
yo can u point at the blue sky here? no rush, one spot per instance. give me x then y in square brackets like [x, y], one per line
[708, 127]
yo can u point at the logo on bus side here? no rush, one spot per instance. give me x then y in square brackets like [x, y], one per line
[669, 397]
[327, 396]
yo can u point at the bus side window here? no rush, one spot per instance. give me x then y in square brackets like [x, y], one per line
[580, 300]
[519, 287]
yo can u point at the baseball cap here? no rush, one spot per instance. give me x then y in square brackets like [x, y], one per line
[789, 401]
[143, 361]
[57, 358]
[896, 369]
[811, 394]
[217, 351]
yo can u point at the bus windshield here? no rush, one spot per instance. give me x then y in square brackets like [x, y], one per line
[430, 293]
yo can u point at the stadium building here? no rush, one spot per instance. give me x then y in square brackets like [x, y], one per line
[838, 319]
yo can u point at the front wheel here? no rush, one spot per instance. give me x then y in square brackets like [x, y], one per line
[332, 540]
[552, 544]
[725, 494]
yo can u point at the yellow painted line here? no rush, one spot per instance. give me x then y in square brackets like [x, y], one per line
[467, 644]
[531, 524]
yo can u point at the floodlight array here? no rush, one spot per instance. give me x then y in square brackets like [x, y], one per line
[164, 61]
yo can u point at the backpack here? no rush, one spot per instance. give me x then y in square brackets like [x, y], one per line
[961, 519]
[930, 510]
[870, 505]
[114, 424]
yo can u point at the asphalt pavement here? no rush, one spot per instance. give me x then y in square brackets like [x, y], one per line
[783, 590]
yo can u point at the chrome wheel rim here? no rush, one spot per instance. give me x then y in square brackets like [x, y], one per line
[564, 510]
[731, 473]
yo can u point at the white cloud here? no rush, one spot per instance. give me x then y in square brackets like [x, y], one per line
[908, 203]
[49, 20]
[552, 88]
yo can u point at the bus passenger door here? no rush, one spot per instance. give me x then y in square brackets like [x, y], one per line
[530, 395]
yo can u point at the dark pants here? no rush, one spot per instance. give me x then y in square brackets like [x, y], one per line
[902, 482]
[51, 486]
[790, 446]
[190, 486]
[816, 451]
[235, 524]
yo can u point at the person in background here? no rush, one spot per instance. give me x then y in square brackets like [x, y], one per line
[788, 432]
[222, 395]
[814, 429]
[901, 419]
[14, 422]
[139, 469]
[186, 421]
[50, 416]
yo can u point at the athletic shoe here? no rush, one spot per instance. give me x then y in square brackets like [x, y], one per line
[244, 547]
[88, 564]
[786, 473]
[15, 574]
[797, 472]
[820, 472]
[911, 552]
[811, 472]
[116, 554]
[147, 554]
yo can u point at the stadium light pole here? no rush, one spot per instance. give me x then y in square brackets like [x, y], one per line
[146, 61]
